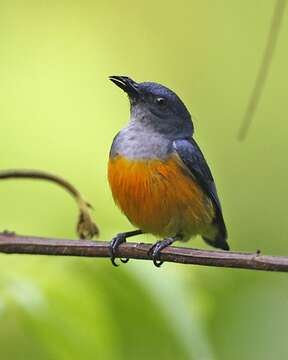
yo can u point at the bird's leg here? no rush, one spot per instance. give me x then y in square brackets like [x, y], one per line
[155, 250]
[118, 240]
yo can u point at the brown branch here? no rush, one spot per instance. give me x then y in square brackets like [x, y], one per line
[12, 244]
[264, 67]
[86, 228]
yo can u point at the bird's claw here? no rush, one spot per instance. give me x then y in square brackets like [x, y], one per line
[154, 252]
[115, 243]
[157, 263]
[124, 261]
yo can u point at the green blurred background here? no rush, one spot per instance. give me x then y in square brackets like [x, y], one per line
[59, 113]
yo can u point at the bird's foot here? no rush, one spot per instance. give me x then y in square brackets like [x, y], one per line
[118, 240]
[155, 250]
[115, 243]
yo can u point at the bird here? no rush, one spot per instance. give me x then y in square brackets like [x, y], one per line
[158, 175]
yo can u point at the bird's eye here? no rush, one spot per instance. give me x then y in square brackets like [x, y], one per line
[160, 101]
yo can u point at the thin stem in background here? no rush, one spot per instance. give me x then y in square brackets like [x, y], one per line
[86, 228]
[257, 90]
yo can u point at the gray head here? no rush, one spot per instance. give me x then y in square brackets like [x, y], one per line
[156, 107]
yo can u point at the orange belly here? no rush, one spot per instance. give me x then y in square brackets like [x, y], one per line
[160, 197]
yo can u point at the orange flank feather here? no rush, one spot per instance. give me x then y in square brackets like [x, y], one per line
[160, 197]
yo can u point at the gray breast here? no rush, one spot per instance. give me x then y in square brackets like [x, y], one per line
[135, 143]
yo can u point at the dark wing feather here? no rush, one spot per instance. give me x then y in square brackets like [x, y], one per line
[192, 157]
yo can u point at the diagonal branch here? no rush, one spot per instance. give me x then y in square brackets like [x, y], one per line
[12, 244]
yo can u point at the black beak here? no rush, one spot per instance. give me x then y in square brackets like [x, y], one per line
[126, 84]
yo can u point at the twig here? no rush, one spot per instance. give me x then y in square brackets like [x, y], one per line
[86, 228]
[12, 244]
[264, 67]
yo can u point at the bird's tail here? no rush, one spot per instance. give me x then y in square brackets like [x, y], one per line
[220, 240]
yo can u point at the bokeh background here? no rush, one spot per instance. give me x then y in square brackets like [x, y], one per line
[59, 113]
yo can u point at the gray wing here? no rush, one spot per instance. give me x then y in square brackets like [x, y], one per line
[192, 157]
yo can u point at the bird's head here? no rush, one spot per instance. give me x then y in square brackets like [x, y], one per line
[156, 107]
